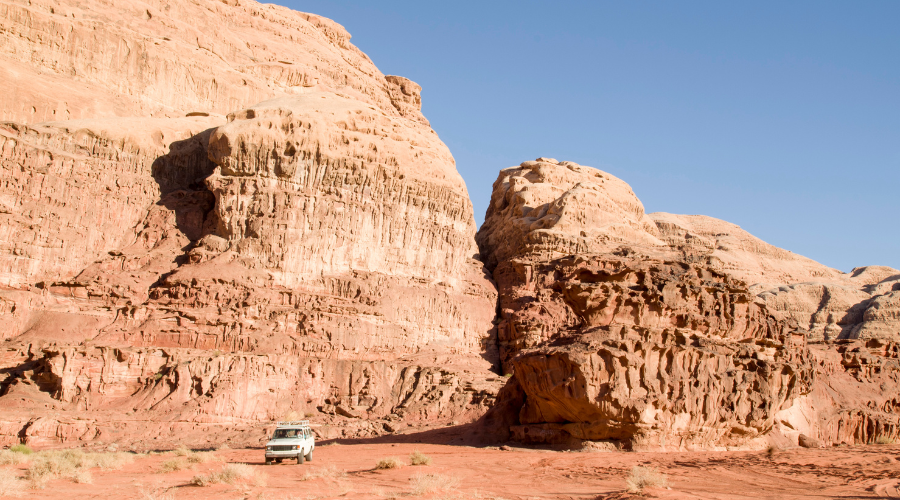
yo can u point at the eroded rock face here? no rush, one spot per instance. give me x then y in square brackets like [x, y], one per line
[73, 192]
[642, 330]
[193, 395]
[313, 253]
[73, 59]
[644, 354]
[861, 305]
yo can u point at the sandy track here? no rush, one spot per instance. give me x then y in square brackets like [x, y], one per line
[348, 472]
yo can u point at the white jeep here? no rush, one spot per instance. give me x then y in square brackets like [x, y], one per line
[291, 440]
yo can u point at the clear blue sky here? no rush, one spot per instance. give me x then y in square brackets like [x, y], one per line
[781, 117]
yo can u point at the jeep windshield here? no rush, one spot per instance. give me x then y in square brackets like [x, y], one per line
[286, 433]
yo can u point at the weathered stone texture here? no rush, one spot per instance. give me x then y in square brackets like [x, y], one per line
[642, 330]
[311, 252]
[74, 59]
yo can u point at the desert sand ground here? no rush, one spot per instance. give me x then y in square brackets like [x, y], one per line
[347, 470]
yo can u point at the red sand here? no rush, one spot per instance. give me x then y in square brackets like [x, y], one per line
[519, 473]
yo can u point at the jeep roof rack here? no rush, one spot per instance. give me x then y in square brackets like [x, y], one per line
[300, 423]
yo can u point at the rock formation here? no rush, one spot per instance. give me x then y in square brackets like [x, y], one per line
[641, 331]
[313, 253]
[214, 214]
[69, 60]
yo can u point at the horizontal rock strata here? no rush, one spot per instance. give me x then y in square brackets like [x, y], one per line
[309, 254]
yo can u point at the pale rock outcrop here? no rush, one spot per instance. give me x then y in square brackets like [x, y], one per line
[730, 249]
[647, 331]
[547, 209]
[827, 303]
[74, 59]
[863, 304]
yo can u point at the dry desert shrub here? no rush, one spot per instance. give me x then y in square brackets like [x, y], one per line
[181, 451]
[10, 484]
[194, 457]
[644, 477]
[173, 465]
[423, 484]
[328, 472]
[15, 455]
[107, 461]
[73, 464]
[389, 463]
[12, 458]
[885, 440]
[417, 458]
[201, 457]
[231, 474]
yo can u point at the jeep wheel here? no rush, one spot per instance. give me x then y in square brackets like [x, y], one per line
[300, 458]
[309, 456]
[268, 462]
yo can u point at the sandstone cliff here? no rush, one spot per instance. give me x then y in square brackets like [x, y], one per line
[665, 332]
[214, 214]
[313, 253]
[69, 59]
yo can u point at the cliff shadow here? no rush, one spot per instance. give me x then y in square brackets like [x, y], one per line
[181, 175]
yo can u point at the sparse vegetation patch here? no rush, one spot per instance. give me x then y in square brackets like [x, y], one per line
[12, 458]
[418, 458]
[231, 474]
[645, 477]
[389, 463]
[24, 449]
[173, 465]
[328, 472]
[72, 464]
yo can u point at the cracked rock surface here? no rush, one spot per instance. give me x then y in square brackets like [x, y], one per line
[221, 214]
[666, 332]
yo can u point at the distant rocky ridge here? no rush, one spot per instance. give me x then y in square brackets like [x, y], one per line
[215, 214]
